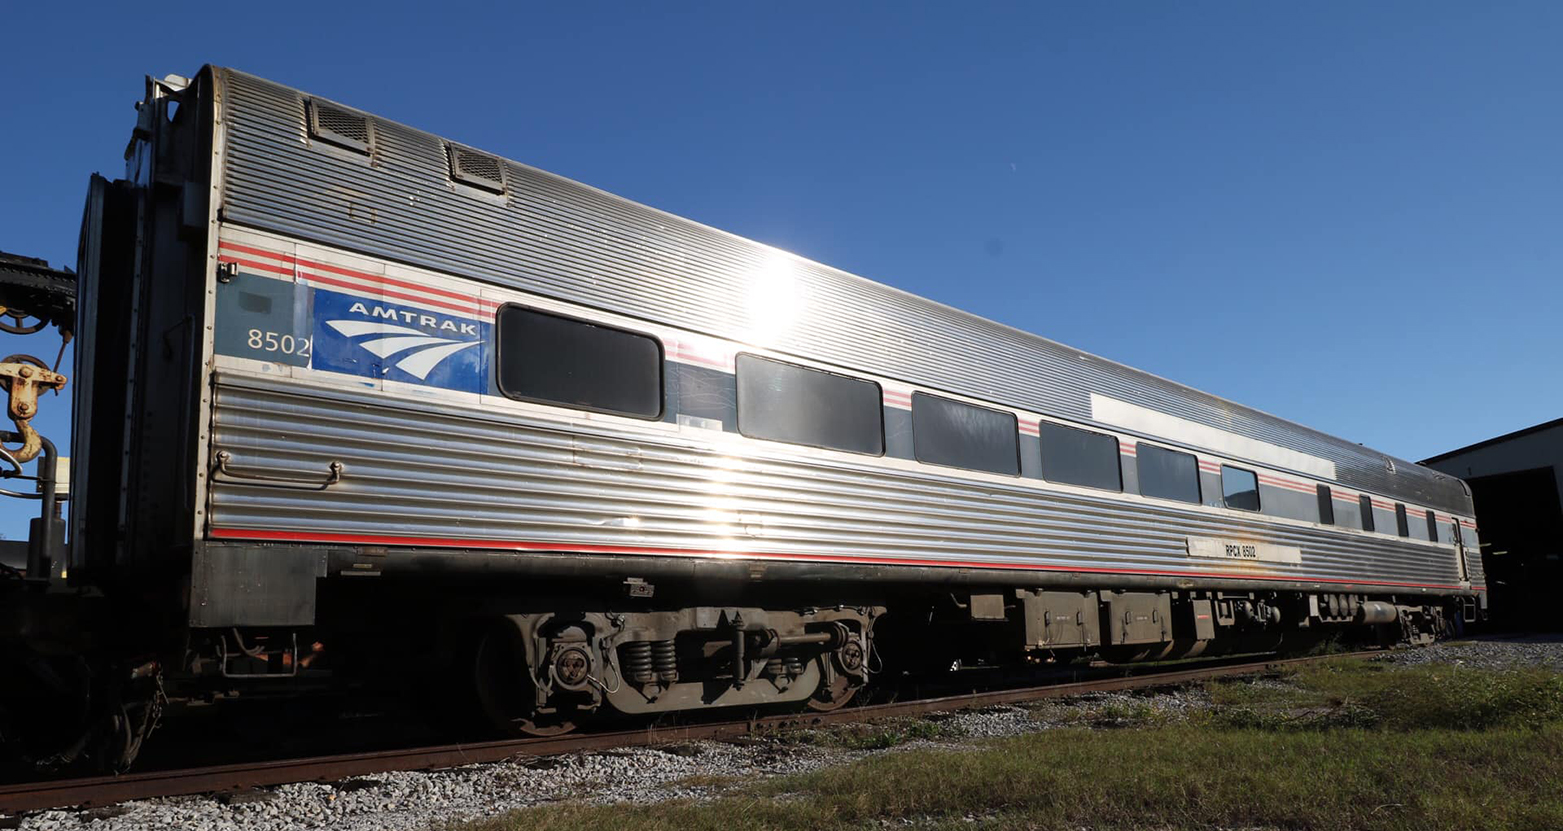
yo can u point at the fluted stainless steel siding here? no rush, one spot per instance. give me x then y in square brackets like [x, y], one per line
[441, 470]
[563, 239]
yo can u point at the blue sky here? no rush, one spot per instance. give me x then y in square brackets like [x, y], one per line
[1342, 213]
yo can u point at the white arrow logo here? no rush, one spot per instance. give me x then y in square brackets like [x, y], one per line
[424, 352]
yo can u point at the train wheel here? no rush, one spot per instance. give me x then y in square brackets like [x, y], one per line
[505, 690]
[844, 675]
[833, 696]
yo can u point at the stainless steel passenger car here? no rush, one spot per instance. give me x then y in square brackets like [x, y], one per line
[391, 395]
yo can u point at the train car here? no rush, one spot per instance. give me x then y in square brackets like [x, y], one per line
[355, 404]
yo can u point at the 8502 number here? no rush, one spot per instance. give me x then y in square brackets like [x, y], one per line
[264, 341]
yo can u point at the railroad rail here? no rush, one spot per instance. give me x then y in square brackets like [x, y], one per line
[107, 790]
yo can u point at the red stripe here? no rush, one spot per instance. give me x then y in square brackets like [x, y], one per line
[474, 304]
[346, 272]
[696, 359]
[470, 308]
[679, 352]
[510, 545]
[1289, 484]
[275, 269]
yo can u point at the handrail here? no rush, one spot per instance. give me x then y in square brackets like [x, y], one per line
[220, 469]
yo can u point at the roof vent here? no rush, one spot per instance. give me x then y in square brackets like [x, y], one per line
[479, 170]
[341, 127]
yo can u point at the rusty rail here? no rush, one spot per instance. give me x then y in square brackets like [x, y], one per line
[106, 790]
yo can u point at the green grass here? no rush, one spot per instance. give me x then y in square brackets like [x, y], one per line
[1343, 745]
[873, 735]
[1359, 693]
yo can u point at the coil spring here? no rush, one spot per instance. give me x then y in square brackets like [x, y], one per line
[790, 666]
[635, 657]
[664, 660]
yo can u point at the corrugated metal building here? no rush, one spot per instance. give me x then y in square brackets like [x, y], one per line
[1516, 480]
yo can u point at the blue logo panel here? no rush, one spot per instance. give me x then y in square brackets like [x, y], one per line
[396, 342]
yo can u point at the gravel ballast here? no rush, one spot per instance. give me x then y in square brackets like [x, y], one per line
[1543, 651]
[404, 801]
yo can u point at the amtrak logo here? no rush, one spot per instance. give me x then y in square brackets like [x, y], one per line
[397, 342]
[422, 352]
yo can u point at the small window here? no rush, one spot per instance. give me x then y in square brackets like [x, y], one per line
[786, 402]
[1367, 511]
[1401, 525]
[1432, 526]
[576, 363]
[1239, 488]
[955, 434]
[1326, 505]
[1080, 457]
[1167, 474]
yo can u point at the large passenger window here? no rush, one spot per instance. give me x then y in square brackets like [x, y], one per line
[1167, 474]
[1080, 457]
[956, 434]
[1239, 488]
[1402, 527]
[796, 404]
[1366, 503]
[576, 363]
[1326, 505]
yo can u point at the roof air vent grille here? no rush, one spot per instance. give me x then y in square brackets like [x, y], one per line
[479, 170]
[340, 127]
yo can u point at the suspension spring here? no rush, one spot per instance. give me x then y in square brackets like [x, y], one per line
[788, 665]
[635, 657]
[665, 660]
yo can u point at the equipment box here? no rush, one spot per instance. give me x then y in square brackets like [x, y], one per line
[1056, 620]
[1137, 617]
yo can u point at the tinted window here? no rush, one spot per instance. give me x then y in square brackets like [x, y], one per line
[1401, 526]
[1432, 526]
[576, 363]
[951, 433]
[1167, 474]
[1080, 457]
[786, 402]
[1326, 505]
[1367, 511]
[1239, 488]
